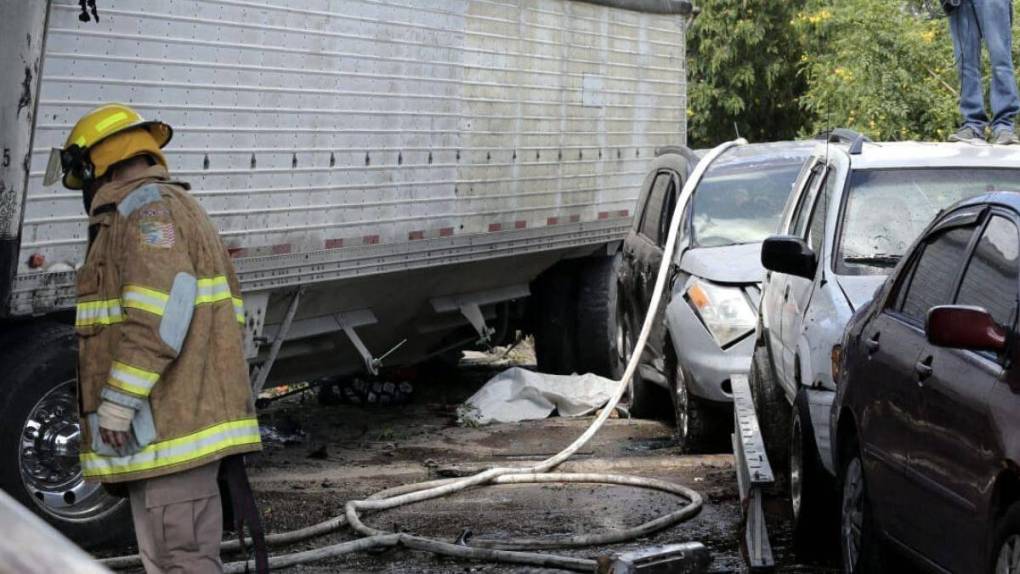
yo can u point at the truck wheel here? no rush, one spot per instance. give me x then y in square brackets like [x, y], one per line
[812, 499]
[555, 325]
[859, 543]
[599, 316]
[700, 427]
[772, 409]
[39, 440]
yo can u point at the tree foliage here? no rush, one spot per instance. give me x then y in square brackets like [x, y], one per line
[794, 68]
[879, 66]
[743, 68]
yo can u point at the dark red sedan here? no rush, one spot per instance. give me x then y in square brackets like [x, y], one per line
[926, 423]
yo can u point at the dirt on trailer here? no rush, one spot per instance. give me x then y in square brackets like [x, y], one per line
[325, 455]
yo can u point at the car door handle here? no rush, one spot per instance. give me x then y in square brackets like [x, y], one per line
[923, 369]
[872, 344]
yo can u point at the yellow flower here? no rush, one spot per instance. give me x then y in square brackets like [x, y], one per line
[928, 36]
[820, 17]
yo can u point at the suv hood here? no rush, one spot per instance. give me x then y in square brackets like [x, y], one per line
[729, 264]
[860, 289]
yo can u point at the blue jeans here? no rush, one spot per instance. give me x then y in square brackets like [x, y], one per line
[991, 20]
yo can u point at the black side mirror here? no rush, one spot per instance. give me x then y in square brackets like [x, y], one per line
[790, 255]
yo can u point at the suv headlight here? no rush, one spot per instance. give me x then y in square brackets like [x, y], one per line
[725, 311]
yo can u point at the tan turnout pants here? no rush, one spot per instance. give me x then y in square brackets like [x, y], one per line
[179, 522]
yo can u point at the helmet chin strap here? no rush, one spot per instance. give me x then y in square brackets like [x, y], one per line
[87, 195]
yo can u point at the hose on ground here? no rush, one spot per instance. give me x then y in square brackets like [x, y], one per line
[513, 550]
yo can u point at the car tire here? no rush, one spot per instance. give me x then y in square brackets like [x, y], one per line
[699, 426]
[772, 409]
[1005, 556]
[812, 502]
[40, 466]
[859, 542]
[555, 320]
[599, 318]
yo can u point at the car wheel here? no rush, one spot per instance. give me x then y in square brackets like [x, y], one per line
[811, 495]
[698, 426]
[858, 540]
[599, 311]
[772, 409]
[1006, 546]
[40, 438]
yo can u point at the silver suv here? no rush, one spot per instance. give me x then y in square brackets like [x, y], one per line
[856, 208]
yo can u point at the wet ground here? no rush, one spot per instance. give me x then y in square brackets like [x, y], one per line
[353, 451]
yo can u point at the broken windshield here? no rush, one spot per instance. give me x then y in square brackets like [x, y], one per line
[741, 204]
[887, 209]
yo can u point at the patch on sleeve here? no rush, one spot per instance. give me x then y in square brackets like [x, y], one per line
[138, 198]
[157, 232]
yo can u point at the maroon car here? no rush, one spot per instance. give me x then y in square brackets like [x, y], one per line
[926, 423]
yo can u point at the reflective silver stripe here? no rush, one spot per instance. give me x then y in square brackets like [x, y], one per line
[145, 299]
[175, 451]
[132, 379]
[98, 312]
[212, 290]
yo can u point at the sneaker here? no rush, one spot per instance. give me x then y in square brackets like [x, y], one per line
[967, 134]
[1005, 136]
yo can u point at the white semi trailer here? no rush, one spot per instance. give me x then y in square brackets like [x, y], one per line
[398, 178]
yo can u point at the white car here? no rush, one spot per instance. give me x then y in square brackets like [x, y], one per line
[856, 208]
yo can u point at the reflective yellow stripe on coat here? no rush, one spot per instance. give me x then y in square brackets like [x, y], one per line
[210, 290]
[138, 297]
[132, 379]
[98, 313]
[176, 451]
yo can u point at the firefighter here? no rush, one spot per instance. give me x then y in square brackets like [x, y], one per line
[166, 404]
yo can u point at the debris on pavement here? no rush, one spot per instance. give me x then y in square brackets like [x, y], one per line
[518, 394]
[358, 391]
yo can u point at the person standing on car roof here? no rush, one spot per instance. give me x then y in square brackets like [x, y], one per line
[163, 384]
[969, 22]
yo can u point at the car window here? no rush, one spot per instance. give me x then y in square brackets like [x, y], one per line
[653, 207]
[934, 274]
[741, 203]
[816, 225]
[990, 280]
[804, 203]
[669, 204]
[886, 209]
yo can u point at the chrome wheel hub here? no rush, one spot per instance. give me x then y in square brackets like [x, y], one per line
[1008, 561]
[852, 516]
[48, 458]
[681, 406]
[796, 470]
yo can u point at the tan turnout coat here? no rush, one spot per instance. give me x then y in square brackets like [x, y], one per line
[160, 325]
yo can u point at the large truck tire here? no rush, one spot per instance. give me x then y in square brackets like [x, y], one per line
[39, 439]
[600, 346]
[773, 412]
[555, 320]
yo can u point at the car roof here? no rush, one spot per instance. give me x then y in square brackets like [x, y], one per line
[771, 152]
[884, 155]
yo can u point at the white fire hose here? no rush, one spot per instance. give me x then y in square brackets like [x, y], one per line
[514, 550]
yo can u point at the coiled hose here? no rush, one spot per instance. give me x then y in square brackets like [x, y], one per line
[511, 550]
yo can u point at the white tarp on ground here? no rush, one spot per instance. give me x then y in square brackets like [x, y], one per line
[520, 395]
